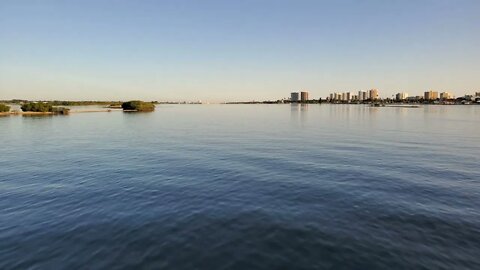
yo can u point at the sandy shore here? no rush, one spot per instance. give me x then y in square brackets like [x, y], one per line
[50, 113]
[26, 113]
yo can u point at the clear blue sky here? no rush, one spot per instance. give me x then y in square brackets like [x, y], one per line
[235, 50]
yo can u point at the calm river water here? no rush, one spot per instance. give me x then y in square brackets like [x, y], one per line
[242, 187]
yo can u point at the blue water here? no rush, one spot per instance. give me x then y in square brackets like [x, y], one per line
[242, 187]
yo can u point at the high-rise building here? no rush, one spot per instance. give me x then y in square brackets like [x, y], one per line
[373, 94]
[344, 96]
[430, 95]
[294, 97]
[401, 96]
[304, 96]
[331, 96]
[348, 96]
[446, 95]
[362, 95]
[477, 94]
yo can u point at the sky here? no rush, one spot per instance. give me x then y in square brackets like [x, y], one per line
[235, 50]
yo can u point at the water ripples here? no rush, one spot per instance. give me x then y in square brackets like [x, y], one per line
[320, 188]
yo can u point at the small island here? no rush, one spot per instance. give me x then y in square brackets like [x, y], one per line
[138, 106]
[55, 107]
[44, 108]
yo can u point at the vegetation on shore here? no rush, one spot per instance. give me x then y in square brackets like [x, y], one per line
[4, 108]
[61, 110]
[37, 107]
[44, 108]
[84, 103]
[138, 106]
[65, 102]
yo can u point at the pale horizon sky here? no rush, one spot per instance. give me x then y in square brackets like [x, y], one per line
[235, 50]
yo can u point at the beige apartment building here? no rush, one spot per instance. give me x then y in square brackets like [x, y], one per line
[430, 95]
[446, 95]
[304, 96]
[373, 94]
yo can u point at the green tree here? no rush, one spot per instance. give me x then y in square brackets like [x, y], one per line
[37, 107]
[4, 108]
[138, 106]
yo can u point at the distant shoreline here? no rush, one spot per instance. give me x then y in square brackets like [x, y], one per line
[118, 104]
[49, 113]
[26, 113]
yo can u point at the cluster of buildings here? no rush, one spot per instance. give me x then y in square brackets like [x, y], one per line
[299, 96]
[349, 96]
[373, 95]
[429, 95]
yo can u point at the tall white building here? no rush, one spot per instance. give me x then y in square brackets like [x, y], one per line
[362, 95]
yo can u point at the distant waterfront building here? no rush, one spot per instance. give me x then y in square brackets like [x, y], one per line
[417, 98]
[304, 96]
[362, 95]
[430, 95]
[401, 96]
[348, 96]
[344, 96]
[294, 97]
[446, 95]
[373, 94]
[477, 94]
[331, 96]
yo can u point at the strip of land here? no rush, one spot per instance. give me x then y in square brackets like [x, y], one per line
[49, 113]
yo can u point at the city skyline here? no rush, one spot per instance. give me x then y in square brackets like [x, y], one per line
[216, 51]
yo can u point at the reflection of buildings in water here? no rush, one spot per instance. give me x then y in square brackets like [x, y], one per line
[340, 110]
[373, 110]
[402, 111]
[294, 111]
[294, 107]
[436, 108]
[298, 110]
[303, 112]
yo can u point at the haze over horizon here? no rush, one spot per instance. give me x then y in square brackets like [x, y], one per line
[235, 50]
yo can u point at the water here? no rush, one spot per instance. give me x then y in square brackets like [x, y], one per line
[242, 187]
